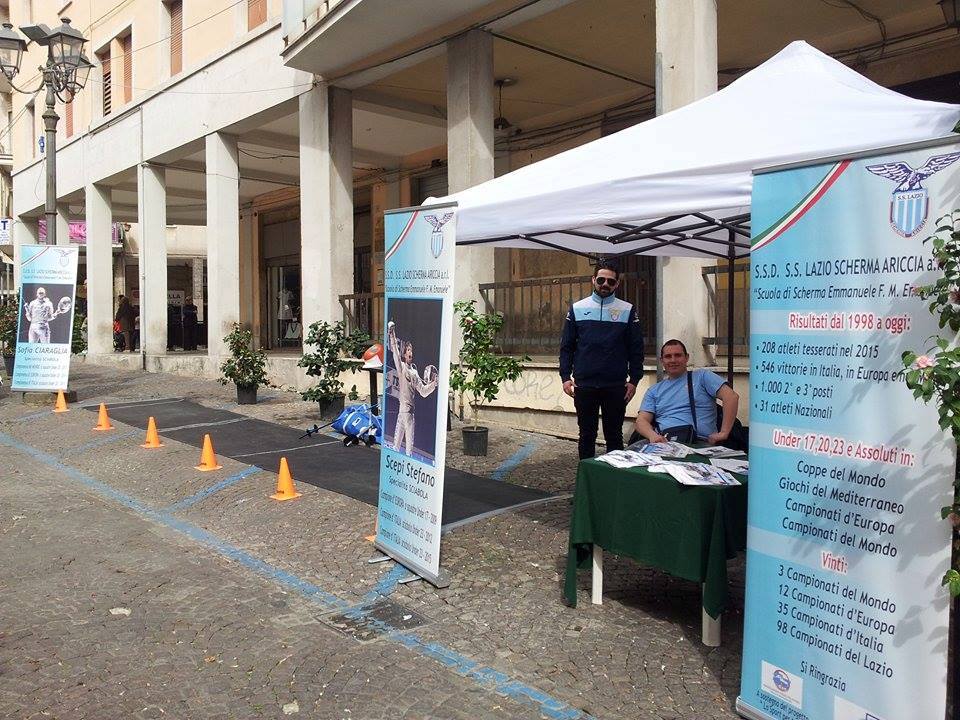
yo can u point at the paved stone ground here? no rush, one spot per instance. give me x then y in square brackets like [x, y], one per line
[113, 607]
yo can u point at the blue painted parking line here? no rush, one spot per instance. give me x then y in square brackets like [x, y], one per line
[207, 492]
[207, 539]
[99, 442]
[514, 460]
[484, 676]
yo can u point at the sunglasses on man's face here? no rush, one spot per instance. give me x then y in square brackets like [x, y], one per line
[605, 281]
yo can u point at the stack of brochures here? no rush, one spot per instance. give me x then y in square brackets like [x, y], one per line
[663, 449]
[695, 473]
[629, 459]
[718, 451]
[736, 465]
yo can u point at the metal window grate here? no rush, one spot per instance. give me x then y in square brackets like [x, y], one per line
[107, 75]
[176, 36]
[256, 13]
[126, 47]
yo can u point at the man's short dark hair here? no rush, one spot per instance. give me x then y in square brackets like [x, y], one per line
[673, 342]
[607, 265]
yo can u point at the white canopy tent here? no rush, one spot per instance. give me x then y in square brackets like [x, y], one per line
[680, 184]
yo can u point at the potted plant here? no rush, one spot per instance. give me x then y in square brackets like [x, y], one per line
[78, 344]
[8, 333]
[246, 367]
[480, 371]
[332, 350]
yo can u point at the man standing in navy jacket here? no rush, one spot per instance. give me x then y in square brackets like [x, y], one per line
[601, 360]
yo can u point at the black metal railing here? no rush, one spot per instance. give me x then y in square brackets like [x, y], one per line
[534, 309]
[717, 278]
[363, 311]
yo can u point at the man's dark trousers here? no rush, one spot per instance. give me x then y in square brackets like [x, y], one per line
[591, 402]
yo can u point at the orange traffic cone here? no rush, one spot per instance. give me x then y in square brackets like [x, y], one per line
[103, 420]
[285, 488]
[208, 460]
[153, 437]
[61, 404]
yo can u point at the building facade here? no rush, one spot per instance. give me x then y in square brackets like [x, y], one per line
[252, 148]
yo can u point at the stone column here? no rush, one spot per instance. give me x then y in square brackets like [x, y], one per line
[152, 222]
[119, 278]
[63, 224]
[470, 109]
[223, 240]
[196, 267]
[26, 231]
[248, 270]
[326, 202]
[686, 70]
[100, 310]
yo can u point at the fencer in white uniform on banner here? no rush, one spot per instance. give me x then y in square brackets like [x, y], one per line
[408, 382]
[39, 313]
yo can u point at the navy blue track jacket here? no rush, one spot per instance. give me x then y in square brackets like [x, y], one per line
[602, 344]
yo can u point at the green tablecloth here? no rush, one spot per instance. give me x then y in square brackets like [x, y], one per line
[687, 531]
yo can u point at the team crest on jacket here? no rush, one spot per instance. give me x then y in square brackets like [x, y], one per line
[911, 201]
[436, 238]
[615, 314]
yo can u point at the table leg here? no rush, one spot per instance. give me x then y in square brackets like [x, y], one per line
[710, 630]
[374, 395]
[596, 587]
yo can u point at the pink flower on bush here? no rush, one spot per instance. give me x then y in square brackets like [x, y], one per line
[924, 362]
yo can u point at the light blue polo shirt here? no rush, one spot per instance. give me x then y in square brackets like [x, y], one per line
[669, 401]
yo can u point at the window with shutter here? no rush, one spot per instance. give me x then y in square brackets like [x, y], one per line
[176, 36]
[68, 111]
[126, 47]
[256, 13]
[107, 78]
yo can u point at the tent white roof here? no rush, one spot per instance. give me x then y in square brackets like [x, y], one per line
[690, 170]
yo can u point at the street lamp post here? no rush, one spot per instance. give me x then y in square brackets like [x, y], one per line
[64, 75]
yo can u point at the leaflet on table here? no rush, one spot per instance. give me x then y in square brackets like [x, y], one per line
[629, 459]
[844, 615]
[717, 451]
[663, 449]
[734, 465]
[695, 473]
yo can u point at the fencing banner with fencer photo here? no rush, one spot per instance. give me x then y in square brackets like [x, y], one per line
[845, 617]
[48, 284]
[419, 248]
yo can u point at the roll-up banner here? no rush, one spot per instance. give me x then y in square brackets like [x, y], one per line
[419, 251]
[48, 277]
[845, 617]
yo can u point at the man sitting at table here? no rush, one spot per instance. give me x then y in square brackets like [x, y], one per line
[668, 402]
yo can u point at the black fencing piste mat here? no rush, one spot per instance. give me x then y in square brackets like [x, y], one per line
[320, 460]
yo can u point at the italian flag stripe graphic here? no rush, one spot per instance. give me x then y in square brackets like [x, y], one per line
[403, 236]
[801, 208]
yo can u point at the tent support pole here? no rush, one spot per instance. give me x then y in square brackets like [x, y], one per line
[658, 299]
[731, 261]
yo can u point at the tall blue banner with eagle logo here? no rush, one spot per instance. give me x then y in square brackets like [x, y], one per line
[48, 277]
[419, 253]
[845, 617]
